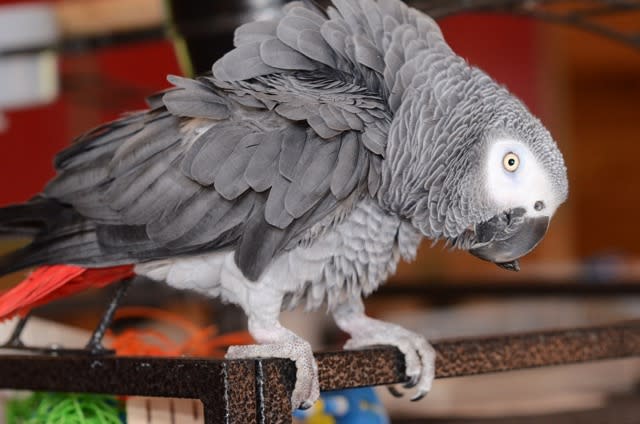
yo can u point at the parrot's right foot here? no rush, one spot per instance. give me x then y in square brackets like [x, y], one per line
[307, 388]
[419, 355]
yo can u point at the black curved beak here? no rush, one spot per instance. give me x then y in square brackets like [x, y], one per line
[504, 245]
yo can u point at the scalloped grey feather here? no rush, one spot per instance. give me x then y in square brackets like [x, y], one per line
[310, 116]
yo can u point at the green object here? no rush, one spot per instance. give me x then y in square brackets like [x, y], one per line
[64, 408]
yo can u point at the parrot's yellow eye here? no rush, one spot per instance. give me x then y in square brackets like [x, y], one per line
[511, 162]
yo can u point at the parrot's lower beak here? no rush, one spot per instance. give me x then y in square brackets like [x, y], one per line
[504, 245]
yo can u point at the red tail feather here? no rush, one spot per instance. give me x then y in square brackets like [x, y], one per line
[48, 283]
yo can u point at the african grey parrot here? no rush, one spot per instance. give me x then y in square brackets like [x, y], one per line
[317, 153]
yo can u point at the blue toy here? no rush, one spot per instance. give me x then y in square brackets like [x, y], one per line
[353, 406]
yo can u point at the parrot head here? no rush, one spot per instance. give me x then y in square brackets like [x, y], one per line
[479, 170]
[523, 181]
[514, 181]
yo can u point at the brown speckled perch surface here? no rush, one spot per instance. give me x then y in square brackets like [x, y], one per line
[257, 391]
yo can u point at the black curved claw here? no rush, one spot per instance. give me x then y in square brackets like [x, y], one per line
[411, 383]
[305, 405]
[418, 396]
[395, 392]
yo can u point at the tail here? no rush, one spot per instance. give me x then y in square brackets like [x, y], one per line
[60, 235]
[48, 283]
[38, 218]
[28, 219]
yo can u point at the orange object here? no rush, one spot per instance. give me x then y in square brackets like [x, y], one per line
[51, 282]
[197, 341]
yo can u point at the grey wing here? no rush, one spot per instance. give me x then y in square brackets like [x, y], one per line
[167, 182]
[264, 154]
[374, 45]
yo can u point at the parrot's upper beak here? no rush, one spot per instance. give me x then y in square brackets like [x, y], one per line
[507, 237]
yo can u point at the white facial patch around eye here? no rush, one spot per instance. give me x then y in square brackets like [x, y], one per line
[516, 179]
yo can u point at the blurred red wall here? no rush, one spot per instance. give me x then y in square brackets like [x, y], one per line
[99, 86]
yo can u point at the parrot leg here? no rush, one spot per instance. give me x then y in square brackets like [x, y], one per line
[95, 342]
[275, 341]
[15, 342]
[419, 356]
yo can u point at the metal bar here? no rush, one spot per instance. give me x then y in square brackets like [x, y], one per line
[536, 349]
[95, 342]
[249, 391]
[84, 44]
[226, 388]
[471, 356]
[428, 290]
[632, 40]
[450, 290]
[219, 23]
[617, 409]
[439, 291]
[15, 341]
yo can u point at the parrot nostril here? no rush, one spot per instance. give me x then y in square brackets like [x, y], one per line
[539, 205]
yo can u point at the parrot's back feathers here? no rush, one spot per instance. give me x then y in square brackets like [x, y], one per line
[367, 41]
[101, 140]
[195, 99]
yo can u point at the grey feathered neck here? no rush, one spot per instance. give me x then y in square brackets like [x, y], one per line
[431, 173]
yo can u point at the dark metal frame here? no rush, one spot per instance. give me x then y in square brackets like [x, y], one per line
[442, 291]
[588, 19]
[258, 391]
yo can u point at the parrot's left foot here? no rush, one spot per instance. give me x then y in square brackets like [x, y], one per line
[307, 388]
[419, 355]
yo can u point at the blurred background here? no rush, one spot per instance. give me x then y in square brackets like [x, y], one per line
[79, 63]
